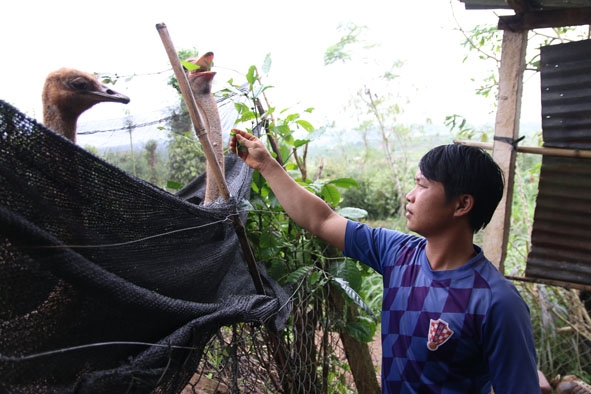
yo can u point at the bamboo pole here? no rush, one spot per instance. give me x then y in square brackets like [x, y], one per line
[562, 152]
[551, 282]
[200, 131]
[208, 149]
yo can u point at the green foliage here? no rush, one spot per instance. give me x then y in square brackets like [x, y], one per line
[134, 164]
[377, 106]
[459, 125]
[155, 163]
[351, 294]
[186, 158]
[291, 254]
[376, 196]
[92, 150]
[340, 51]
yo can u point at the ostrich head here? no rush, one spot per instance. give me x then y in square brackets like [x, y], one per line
[67, 93]
[201, 78]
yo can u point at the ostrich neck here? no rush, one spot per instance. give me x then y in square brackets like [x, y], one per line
[59, 122]
[209, 111]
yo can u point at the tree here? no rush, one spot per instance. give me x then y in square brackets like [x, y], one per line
[154, 162]
[376, 108]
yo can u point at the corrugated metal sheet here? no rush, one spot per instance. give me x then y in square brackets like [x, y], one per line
[566, 95]
[531, 4]
[561, 236]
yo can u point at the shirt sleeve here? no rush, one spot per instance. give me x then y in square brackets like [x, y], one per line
[509, 345]
[374, 247]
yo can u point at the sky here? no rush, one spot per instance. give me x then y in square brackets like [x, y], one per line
[120, 37]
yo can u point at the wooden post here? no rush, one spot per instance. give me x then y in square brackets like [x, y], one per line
[506, 127]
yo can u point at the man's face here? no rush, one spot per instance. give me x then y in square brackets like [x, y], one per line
[427, 212]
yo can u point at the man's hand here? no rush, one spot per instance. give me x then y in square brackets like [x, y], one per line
[250, 149]
[305, 208]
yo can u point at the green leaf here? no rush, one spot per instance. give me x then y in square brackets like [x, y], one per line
[285, 152]
[352, 213]
[283, 129]
[288, 139]
[331, 195]
[246, 116]
[314, 278]
[361, 330]
[251, 76]
[305, 124]
[344, 182]
[298, 143]
[299, 274]
[292, 117]
[291, 166]
[353, 296]
[349, 271]
[241, 107]
[190, 66]
[278, 269]
[174, 185]
[314, 187]
[267, 64]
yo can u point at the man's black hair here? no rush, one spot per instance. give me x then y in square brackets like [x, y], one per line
[466, 170]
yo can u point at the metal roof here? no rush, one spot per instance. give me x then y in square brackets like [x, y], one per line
[534, 5]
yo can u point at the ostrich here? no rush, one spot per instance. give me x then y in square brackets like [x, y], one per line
[200, 81]
[67, 93]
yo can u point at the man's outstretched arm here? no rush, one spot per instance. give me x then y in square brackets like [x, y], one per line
[305, 208]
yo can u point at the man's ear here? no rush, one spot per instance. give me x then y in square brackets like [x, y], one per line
[464, 204]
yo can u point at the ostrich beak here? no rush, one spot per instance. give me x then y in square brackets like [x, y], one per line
[106, 94]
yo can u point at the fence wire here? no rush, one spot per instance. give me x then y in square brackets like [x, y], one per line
[307, 357]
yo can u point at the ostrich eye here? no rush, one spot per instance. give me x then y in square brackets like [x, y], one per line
[79, 83]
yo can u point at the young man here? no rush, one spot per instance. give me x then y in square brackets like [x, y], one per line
[451, 323]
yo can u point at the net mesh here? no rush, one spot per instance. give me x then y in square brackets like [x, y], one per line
[107, 283]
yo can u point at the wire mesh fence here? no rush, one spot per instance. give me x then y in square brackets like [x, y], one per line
[307, 357]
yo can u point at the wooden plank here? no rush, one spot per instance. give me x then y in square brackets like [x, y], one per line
[506, 126]
[543, 19]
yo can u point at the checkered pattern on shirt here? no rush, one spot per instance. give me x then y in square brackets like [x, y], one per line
[413, 296]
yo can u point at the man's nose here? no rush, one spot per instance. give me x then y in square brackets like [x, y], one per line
[409, 195]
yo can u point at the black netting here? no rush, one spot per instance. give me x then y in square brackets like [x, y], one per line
[109, 284]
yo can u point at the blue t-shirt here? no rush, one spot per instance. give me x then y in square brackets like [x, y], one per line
[447, 332]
